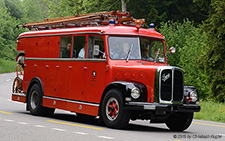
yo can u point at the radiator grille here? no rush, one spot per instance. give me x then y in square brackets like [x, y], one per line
[171, 85]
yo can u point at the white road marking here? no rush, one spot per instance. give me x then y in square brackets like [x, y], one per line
[8, 80]
[58, 129]
[40, 126]
[106, 137]
[24, 123]
[9, 120]
[81, 133]
[222, 134]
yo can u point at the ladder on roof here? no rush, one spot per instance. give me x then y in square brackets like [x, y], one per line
[93, 19]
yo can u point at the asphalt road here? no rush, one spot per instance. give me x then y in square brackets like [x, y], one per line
[18, 124]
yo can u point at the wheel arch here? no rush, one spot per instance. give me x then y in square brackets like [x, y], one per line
[124, 87]
[37, 81]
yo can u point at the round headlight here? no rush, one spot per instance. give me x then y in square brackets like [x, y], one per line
[193, 96]
[135, 93]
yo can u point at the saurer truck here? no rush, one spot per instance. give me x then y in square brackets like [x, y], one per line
[103, 65]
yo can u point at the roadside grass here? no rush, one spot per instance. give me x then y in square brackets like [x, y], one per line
[211, 111]
[7, 66]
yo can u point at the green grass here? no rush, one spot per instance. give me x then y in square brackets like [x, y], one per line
[211, 111]
[7, 66]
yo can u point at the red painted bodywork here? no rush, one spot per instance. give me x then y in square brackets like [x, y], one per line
[72, 79]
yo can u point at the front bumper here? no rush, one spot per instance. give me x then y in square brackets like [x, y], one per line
[162, 107]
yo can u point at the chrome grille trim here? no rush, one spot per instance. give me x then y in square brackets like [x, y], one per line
[168, 95]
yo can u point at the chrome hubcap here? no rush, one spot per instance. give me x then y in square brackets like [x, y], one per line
[34, 100]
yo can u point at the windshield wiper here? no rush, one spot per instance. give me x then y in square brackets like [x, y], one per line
[156, 56]
[129, 52]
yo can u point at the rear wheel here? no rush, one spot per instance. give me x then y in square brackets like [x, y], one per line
[179, 121]
[34, 103]
[113, 113]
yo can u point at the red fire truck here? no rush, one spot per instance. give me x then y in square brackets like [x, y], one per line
[101, 64]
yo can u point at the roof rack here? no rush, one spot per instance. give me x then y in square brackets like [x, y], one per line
[93, 19]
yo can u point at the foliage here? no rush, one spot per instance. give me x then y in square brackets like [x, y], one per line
[176, 35]
[7, 34]
[194, 74]
[213, 61]
[156, 11]
[190, 44]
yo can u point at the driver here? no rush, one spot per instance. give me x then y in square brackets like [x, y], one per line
[145, 55]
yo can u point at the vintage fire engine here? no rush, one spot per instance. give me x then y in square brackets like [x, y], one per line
[101, 64]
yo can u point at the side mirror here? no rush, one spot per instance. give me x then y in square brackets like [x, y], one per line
[172, 50]
[96, 50]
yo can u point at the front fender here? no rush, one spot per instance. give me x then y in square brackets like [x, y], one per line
[126, 87]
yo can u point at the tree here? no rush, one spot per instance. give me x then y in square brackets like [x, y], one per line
[8, 34]
[214, 59]
[14, 8]
[124, 5]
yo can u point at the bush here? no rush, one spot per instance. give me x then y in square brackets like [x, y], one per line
[190, 45]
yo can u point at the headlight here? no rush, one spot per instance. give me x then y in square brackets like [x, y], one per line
[135, 93]
[193, 96]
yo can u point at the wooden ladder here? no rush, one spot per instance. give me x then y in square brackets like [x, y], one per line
[93, 19]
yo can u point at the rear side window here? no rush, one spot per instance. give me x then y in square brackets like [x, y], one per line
[65, 47]
[79, 46]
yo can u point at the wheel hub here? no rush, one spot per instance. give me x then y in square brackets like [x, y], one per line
[34, 100]
[112, 109]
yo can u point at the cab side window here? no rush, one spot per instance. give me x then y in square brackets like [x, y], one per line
[79, 46]
[65, 47]
[96, 47]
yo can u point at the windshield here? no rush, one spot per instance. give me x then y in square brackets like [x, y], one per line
[136, 48]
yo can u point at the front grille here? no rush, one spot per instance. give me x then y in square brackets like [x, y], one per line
[171, 84]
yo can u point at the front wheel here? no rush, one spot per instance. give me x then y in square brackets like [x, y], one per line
[113, 113]
[179, 121]
[34, 103]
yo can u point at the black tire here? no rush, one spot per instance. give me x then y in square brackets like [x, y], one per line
[113, 113]
[179, 121]
[34, 103]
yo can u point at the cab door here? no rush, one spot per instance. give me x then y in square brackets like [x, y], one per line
[94, 70]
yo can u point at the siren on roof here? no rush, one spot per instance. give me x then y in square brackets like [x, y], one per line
[152, 26]
[112, 22]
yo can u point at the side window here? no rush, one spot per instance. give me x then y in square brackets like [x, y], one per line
[65, 47]
[79, 46]
[96, 47]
